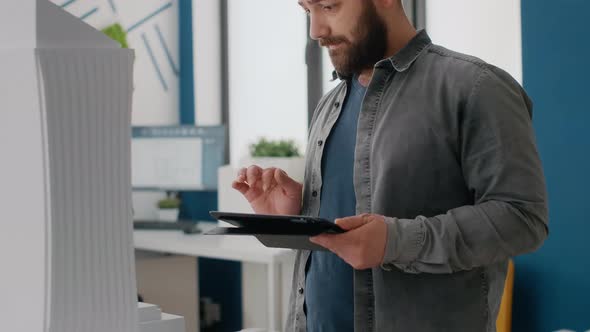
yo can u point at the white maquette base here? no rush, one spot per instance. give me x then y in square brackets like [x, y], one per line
[152, 319]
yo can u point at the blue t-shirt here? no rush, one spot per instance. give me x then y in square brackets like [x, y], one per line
[329, 298]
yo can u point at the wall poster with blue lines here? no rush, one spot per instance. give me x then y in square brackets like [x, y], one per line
[151, 28]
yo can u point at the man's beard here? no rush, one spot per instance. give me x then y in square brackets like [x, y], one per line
[368, 48]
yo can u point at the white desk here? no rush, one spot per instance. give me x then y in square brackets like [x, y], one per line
[236, 248]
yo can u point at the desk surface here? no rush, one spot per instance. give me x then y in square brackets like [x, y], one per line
[238, 248]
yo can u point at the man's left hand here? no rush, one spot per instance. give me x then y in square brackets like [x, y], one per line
[363, 244]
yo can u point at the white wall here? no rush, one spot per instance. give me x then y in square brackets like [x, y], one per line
[207, 61]
[490, 30]
[268, 97]
[267, 73]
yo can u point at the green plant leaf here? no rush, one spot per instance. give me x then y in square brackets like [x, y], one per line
[169, 203]
[274, 148]
[116, 32]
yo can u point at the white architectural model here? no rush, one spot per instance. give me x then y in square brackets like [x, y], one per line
[65, 186]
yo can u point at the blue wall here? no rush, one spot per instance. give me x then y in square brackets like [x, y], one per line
[187, 82]
[553, 285]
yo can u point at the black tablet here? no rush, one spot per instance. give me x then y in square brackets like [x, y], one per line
[253, 224]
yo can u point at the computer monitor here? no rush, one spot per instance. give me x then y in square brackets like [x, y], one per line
[176, 157]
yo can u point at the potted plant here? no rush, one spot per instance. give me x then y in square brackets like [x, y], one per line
[280, 153]
[168, 208]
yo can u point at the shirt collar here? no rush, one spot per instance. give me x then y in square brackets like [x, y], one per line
[403, 59]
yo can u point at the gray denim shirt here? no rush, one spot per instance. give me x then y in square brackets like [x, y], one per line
[445, 150]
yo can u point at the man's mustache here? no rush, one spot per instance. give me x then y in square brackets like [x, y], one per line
[332, 41]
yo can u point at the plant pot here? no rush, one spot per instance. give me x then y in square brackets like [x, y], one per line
[168, 215]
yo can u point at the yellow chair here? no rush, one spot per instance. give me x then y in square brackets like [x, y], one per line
[504, 320]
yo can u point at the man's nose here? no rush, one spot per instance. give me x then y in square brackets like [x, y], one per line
[317, 29]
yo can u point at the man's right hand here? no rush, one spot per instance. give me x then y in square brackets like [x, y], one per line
[269, 190]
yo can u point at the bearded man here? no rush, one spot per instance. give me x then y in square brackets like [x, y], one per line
[427, 158]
